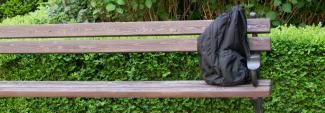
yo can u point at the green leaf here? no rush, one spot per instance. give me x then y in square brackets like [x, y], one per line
[277, 2]
[110, 7]
[134, 5]
[148, 3]
[166, 74]
[120, 2]
[276, 23]
[287, 7]
[271, 14]
[163, 14]
[141, 6]
[93, 3]
[294, 1]
[249, 5]
[120, 10]
[301, 4]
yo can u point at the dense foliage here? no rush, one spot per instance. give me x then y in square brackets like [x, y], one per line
[296, 65]
[11, 8]
[280, 11]
[39, 16]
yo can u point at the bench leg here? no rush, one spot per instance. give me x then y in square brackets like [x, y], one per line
[257, 102]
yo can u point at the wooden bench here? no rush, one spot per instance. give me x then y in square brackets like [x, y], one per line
[132, 89]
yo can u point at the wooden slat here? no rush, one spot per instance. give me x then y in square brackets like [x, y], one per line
[111, 46]
[132, 89]
[260, 44]
[121, 28]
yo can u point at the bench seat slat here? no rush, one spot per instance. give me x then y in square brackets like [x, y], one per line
[109, 46]
[189, 27]
[132, 89]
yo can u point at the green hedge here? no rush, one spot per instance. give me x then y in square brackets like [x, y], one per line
[39, 16]
[11, 8]
[296, 66]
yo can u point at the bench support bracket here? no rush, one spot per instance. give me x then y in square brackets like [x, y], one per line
[258, 104]
[253, 64]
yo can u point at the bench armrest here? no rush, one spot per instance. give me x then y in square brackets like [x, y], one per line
[253, 64]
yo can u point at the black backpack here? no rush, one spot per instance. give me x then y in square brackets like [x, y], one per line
[223, 50]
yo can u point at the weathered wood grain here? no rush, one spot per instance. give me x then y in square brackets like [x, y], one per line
[132, 89]
[260, 44]
[111, 46]
[189, 27]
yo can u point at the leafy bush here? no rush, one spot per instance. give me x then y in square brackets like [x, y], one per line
[296, 65]
[11, 8]
[279, 11]
[39, 16]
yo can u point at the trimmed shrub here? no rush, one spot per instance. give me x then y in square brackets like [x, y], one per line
[39, 16]
[296, 66]
[11, 8]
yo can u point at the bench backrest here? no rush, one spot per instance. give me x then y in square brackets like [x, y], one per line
[153, 28]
